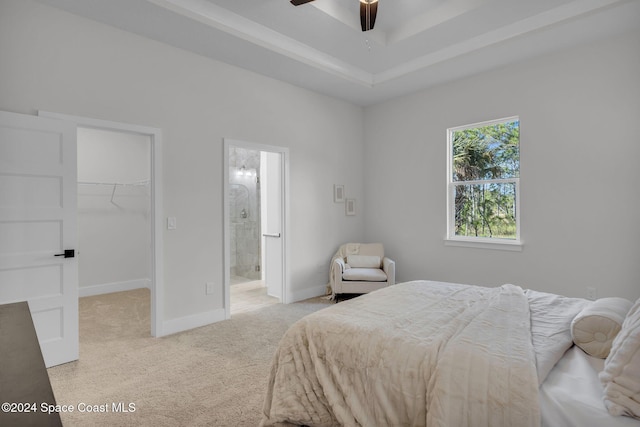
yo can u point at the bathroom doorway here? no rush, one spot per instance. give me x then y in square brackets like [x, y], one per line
[255, 226]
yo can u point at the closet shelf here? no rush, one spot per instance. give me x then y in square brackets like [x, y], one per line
[116, 185]
[122, 184]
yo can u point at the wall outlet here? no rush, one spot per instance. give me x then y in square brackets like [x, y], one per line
[592, 293]
[210, 288]
[171, 223]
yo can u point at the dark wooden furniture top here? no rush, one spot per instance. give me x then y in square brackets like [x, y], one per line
[23, 375]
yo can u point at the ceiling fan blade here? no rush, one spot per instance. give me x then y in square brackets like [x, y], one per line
[368, 13]
[299, 2]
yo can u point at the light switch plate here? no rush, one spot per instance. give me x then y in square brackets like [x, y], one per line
[210, 288]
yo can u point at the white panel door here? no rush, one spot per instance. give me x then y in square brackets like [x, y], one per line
[38, 228]
[273, 246]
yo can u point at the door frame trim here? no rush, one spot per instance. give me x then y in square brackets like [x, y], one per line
[157, 271]
[284, 152]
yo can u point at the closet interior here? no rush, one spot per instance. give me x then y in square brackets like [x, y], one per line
[114, 211]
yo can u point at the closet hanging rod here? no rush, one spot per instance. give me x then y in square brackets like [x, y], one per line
[123, 184]
[117, 184]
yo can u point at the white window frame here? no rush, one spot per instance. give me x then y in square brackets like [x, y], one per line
[471, 241]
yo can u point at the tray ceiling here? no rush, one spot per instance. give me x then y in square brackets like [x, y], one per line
[320, 46]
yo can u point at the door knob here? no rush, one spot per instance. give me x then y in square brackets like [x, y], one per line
[68, 253]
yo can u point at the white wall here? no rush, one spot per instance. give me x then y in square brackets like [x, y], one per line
[114, 226]
[55, 61]
[580, 146]
[579, 123]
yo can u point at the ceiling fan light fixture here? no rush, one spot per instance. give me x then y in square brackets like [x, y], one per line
[299, 2]
[368, 11]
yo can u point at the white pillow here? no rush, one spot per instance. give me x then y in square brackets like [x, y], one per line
[363, 261]
[621, 375]
[595, 327]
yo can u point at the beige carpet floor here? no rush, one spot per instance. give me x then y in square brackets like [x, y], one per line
[215, 375]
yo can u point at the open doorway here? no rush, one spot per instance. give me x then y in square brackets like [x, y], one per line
[114, 230]
[255, 226]
[247, 197]
[142, 198]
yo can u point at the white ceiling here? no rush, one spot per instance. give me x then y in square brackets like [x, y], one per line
[320, 46]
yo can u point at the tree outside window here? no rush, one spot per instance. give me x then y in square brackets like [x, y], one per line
[483, 180]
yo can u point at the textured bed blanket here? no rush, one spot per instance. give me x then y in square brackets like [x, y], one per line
[416, 354]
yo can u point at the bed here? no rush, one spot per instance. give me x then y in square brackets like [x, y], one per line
[426, 353]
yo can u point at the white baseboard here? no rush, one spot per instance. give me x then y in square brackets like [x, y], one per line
[107, 288]
[303, 294]
[192, 321]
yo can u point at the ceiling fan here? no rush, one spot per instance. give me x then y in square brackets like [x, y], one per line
[368, 10]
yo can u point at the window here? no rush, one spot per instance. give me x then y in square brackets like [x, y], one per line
[483, 182]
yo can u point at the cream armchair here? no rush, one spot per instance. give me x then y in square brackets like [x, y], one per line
[359, 268]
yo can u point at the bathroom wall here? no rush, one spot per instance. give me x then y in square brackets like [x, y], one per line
[244, 212]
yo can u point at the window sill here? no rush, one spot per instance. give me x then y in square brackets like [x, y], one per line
[506, 245]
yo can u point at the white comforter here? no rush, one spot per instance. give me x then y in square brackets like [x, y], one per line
[419, 353]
